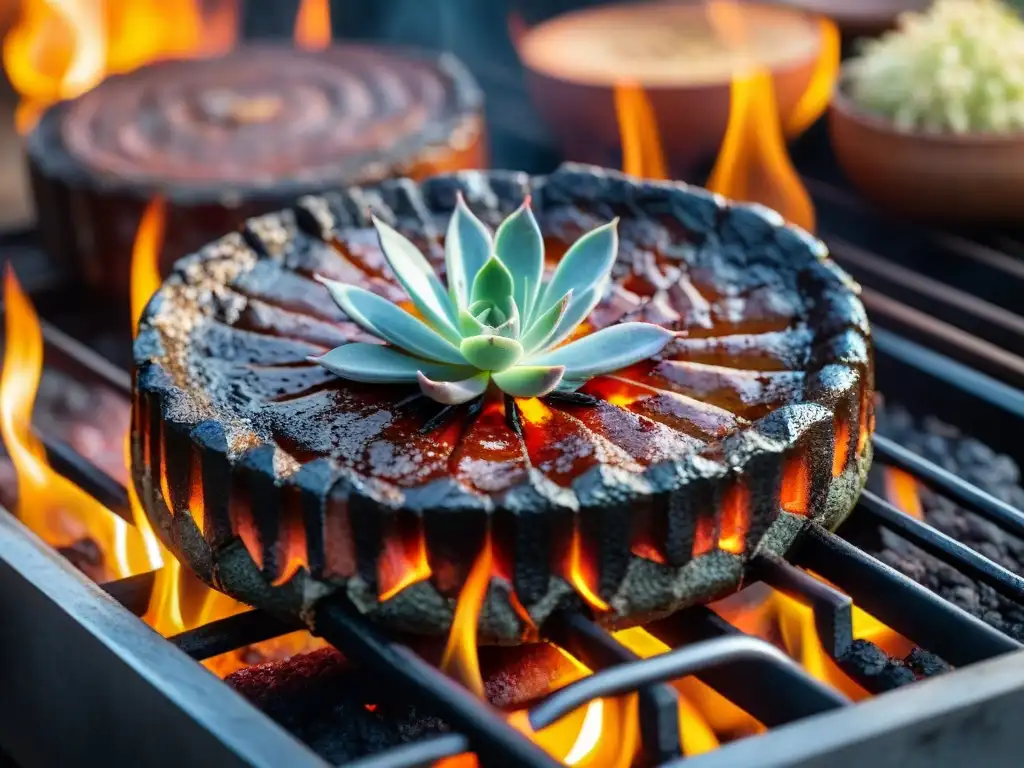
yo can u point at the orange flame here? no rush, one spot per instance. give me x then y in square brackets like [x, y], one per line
[59, 49]
[753, 163]
[581, 737]
[145, 266]
[580, 573]
[695, 730]
[52, 506]
[461, 660]
[402, 563]
[313, 25]
[901, 490]
[638, 130]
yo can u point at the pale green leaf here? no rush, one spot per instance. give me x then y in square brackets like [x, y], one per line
[392, 323]
[493, 283]
[491, 353]
[472, 326]
[579, 309]
[378, 364]
[587, 263]
[520, 246]
[467, 246]
[607, 350]
[454, 392]
[545, 325]
[416, 275]
[529, 380]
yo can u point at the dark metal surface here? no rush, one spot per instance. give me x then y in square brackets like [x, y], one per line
[658, 704]
[671, 665]
[904, 605]
[83, 679]
[969, 717]
[948, 549]
[945, 483]
[236, 631]
[494, 740]
[772, 692]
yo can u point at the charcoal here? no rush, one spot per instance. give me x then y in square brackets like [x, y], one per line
[925, 664]
[329, 705]
[976, 463]
[870, 666]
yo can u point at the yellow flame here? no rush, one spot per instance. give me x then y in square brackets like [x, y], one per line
[59, 49]
[815, 99]
[145, 265]
[753, 163]
[313, 25]
[638, 131]
[461, 659]
[49, 504]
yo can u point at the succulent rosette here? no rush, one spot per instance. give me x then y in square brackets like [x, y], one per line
[498, 323]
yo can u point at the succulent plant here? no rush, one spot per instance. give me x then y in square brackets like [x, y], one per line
[498, 323]
[956, 68]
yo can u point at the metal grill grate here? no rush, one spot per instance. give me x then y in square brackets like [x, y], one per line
[949, 365]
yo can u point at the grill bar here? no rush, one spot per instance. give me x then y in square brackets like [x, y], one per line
[231, 633]
[628, 676]
[773, 693]
[659, 703]
[946, 548]
[106, 490]
[916, 613]
[92, 650]
[417, 755]
[491, 738]
[946, 483]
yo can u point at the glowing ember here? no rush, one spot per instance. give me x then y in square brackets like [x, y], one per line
[901, 491]
[735, 519]
[58, 49]
[313, 25]
[753, 163]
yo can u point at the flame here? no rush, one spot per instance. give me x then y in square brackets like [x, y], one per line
[638, 130]
[753, 163]
[402, 563]
[695, 730]
[313, 25]
[145, 266]
[461, 660]
[579, 572]
[52, 506]
[59, 49]
[815, 99]
[581, 737]
[735, 519]
[901, 490]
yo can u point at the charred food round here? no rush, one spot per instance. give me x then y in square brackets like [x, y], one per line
[283, 458]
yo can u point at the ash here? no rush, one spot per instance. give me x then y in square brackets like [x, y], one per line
[976, 463]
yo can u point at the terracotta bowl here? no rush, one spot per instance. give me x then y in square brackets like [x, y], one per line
[968, 179]
[671, 50]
